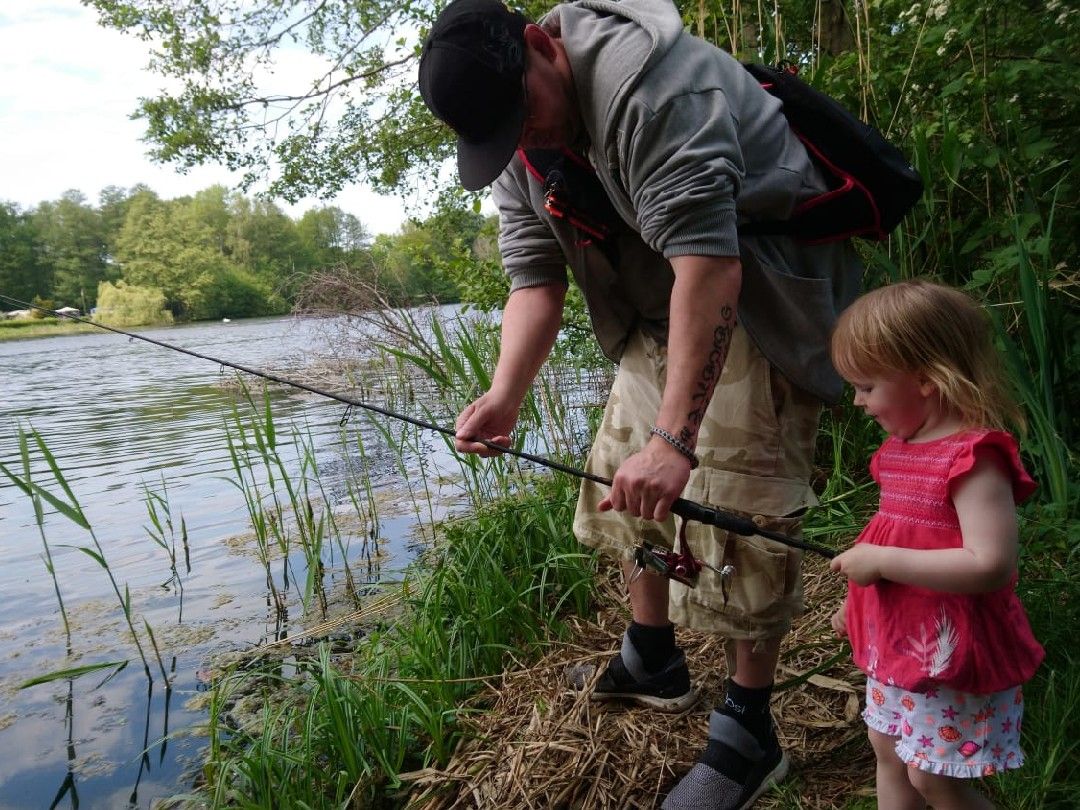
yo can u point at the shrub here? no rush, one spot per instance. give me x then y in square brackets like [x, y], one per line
[123, 304]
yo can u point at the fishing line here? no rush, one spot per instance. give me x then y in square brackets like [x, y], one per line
[688, 510]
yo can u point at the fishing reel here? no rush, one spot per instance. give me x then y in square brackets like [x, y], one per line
[678, 564]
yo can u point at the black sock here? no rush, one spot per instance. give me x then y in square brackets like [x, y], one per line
[750, 707]
[655, 645]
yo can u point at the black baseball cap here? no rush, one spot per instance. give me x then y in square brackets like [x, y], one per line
[471, 72]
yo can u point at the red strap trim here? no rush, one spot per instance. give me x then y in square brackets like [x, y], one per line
[529, 167]
[849, 183]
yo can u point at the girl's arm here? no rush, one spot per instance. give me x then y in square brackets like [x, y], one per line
[984, 504]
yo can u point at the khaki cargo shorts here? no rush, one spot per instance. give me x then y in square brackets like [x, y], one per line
[756, 449]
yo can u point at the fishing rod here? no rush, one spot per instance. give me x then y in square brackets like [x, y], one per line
[678, 565]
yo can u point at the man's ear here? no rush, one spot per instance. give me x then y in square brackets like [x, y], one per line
[540, 41]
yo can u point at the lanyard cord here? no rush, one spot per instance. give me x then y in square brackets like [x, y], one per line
[688, 510]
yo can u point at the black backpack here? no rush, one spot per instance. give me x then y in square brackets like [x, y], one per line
[871, 184]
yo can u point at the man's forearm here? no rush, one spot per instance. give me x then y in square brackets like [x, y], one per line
[530, 324]
[702, 320]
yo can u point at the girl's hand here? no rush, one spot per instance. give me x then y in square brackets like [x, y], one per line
[839, 620]
[861, 564]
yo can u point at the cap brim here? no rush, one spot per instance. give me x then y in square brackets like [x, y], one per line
[480, 164]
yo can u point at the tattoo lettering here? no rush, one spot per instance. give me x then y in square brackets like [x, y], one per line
[710, 374]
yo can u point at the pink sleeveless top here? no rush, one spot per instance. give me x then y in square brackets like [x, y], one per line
[913, 637]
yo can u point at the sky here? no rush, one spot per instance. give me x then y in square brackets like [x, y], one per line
[67, 90]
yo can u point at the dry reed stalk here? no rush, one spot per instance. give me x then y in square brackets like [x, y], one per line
[539, 743]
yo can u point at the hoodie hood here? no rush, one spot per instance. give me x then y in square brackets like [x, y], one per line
[589, 26]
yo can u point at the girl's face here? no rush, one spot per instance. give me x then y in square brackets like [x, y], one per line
[903, 403]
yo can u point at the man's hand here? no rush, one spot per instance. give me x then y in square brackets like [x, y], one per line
[530, 323]
[648, 482]
[861, 563]
[491, 417]
[704, 300]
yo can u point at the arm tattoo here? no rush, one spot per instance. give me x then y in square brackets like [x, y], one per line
[710, 374]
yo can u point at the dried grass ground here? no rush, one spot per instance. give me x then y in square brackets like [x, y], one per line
[535, 742]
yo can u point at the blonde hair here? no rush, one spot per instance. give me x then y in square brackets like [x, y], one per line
[936, 332]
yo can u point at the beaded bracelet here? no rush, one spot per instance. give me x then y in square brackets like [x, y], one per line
[678, 444]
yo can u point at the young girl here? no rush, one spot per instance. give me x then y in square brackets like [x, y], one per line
[931, 611]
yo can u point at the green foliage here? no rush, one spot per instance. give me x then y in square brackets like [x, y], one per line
[123, 305]
[22, 275]
[319, 134]
[71, 241]
[499, 581]
[215, 254]
[26, 323]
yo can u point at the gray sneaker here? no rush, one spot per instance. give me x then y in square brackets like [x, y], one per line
[757, 768]
[625, 678]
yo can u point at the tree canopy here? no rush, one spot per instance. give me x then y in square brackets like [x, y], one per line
[217, 253]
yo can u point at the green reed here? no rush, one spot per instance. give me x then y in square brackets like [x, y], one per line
[495, 586]
[1037, 358]
[288, 509]
[69, 507]
[492, 585]
[26, 485]
[163, 532]
[361, 495]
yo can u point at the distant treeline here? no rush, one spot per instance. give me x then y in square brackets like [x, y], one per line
[217, 253]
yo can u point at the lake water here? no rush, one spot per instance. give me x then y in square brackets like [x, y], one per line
[120, 417]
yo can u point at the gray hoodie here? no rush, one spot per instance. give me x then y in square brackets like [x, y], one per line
[687, 145]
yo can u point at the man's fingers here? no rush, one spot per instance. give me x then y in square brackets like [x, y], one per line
[467, 443]
[662, 509]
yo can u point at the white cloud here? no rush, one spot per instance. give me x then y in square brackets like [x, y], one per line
[67, 90]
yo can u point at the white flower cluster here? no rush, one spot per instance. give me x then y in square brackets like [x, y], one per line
[935, 9]
[913, 13]
[1054, 5]
[950, 35]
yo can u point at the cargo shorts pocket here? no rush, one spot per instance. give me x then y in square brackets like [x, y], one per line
[765, 583]
[760, 580]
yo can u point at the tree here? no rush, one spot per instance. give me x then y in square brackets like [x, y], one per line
[349, 114]
[22, 276]
[113, 203]
[330, 236]
[122, 305]
[266, 243]
[73, 249]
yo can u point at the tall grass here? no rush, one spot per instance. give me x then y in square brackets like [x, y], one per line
[1036, 353]
[288, 509]
[497, 585]
[26, 484]
[494, 585]
[163, 532]
[68, 506]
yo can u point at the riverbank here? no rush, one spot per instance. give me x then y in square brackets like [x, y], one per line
[468, 700]
[41, 327]
[534, 741]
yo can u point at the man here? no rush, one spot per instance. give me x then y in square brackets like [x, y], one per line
[685, 147]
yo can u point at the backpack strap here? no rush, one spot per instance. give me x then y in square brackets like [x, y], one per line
[573, 193]
[871, 184]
